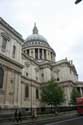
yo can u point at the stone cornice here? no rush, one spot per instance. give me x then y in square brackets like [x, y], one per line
[69, 83]
[60, 62]
[31, 80]
[10, 60]
[11, 29]
[64, 83]
[45, 66]
[79, 82]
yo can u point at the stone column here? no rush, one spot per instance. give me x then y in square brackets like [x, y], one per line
[19, 89]
[81, 91]
[47, 55]
[5, 83]
[15, 98]
[42, 54]
[53, 57]
[33, 53]
[50, 56]
[26, 51]
[30, 52]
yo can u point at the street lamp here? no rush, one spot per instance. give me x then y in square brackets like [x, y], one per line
[31, 87]
[77, 1]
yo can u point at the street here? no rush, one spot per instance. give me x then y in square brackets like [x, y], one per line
[72, 121]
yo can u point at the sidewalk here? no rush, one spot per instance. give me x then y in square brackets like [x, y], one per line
[47, 118]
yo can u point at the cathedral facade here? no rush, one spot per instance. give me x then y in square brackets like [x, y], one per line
[27, 65]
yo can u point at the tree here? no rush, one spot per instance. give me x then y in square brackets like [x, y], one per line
[74, 94]
[77, 1]
[52, 94]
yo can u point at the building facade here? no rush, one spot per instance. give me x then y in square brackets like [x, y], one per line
[27, 65]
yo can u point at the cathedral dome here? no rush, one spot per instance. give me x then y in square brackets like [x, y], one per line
[36, 39]
[36, 46]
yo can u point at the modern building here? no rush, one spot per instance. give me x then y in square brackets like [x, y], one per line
[27, 65]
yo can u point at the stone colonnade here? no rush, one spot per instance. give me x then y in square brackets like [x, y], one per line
[41, 54]
[80, 89]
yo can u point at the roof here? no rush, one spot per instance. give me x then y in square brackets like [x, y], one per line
[36, 40]
[35, 36]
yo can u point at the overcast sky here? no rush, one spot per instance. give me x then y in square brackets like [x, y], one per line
[59, 21]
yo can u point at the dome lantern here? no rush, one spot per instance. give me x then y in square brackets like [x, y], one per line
[35, 30]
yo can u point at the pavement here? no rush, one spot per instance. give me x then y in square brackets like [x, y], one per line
[43, 119]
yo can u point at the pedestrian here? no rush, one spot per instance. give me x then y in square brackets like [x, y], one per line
[20, 115]
[34, 113]
[16, 115]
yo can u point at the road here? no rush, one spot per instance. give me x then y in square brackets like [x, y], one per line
[72, 121]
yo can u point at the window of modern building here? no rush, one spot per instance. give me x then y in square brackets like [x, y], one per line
[37, 94]
[26, 91]
[1, 76]
[4, 43]
[14, 51]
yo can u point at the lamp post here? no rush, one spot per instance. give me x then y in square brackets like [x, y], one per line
[31, 88]
[77, 1]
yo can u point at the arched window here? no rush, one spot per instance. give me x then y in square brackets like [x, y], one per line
[1, 77]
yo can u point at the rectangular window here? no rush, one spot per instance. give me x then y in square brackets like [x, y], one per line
[36, 53]
[14, 51]
[4, 43]
[26, 91]
[40, 53]
[37, 94]
[44, 54]
[28, 52]
[42, 75]
[51, 55]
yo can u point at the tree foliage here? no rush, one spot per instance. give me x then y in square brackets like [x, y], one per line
[74, 94]
[52, 93]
